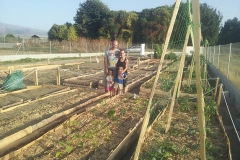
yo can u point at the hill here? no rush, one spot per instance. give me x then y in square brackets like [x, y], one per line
[23, 32]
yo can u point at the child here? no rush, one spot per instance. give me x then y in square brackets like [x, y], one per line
[119, 80]
[110, 81]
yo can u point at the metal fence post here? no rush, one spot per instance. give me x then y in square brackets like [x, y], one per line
[229, 58]
[214, 55]
[218, 54]
[50, 43]
[210, 58]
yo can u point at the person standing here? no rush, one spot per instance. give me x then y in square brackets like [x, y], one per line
[119, 81]
[110, 59]
[123, 61]
[110, 81]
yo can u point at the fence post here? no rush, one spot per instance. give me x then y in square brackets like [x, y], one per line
[218, 54]
[219, 95]
[210, 57]
[215, 91]
[50, 47]
[58, 76]
[70, 47]
[36, 78]
[86, 48]
[229, 58]
[214, 55]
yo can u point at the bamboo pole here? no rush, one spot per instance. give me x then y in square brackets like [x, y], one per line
[215, 91]
[147, 115]
[180, 84]
[205, 64]
[191, 71]
[177, 82]
[200, 100]
[219, 95]
[36, 77]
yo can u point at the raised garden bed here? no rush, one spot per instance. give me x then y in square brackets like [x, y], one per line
[91, 135]
[182, 140]
[40, 109]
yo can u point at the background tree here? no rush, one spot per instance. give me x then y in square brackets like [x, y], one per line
[154, 24]
[89, 18]
[71, 33]
[58, 32]
[230, 32]
[109, 27]
[211, 21]
[10, 38]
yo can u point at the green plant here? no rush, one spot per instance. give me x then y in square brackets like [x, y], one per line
[190, 89]
[157, 51]
[212, 151]
[184, 104]
[67, 148]
[171, 56]
[166, 86]
[111, 113]
[209, 109]
[208, 90]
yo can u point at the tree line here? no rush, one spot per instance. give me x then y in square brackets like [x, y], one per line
[94, 20]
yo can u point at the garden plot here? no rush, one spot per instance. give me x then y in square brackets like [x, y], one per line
[27, 95]
[92, 134]
[165, 81]
[38, 110]
[182, 140]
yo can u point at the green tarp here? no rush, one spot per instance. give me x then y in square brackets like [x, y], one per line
[13, 81]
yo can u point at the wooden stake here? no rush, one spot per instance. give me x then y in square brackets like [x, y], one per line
[147, 114]
[215, 91]
[36, 78]
[58, 76]
[219, 95]
[200, 99]
[10, 71]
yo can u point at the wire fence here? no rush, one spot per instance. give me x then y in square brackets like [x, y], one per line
[43, 46]
[226, 58]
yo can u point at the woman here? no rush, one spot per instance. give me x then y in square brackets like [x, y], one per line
[123, 61]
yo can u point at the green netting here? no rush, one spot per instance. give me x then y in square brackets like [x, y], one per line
[180, 28]
[13, 81]
[175, 46]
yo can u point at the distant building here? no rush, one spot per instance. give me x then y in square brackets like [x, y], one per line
[35, 39]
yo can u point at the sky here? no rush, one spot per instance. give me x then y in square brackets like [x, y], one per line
[42, 14]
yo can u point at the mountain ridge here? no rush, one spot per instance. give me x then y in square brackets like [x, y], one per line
[23, 32]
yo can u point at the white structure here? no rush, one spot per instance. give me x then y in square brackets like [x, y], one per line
[142, 52]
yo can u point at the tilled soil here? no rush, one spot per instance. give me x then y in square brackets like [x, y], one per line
[93, 134]
[29, 114]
